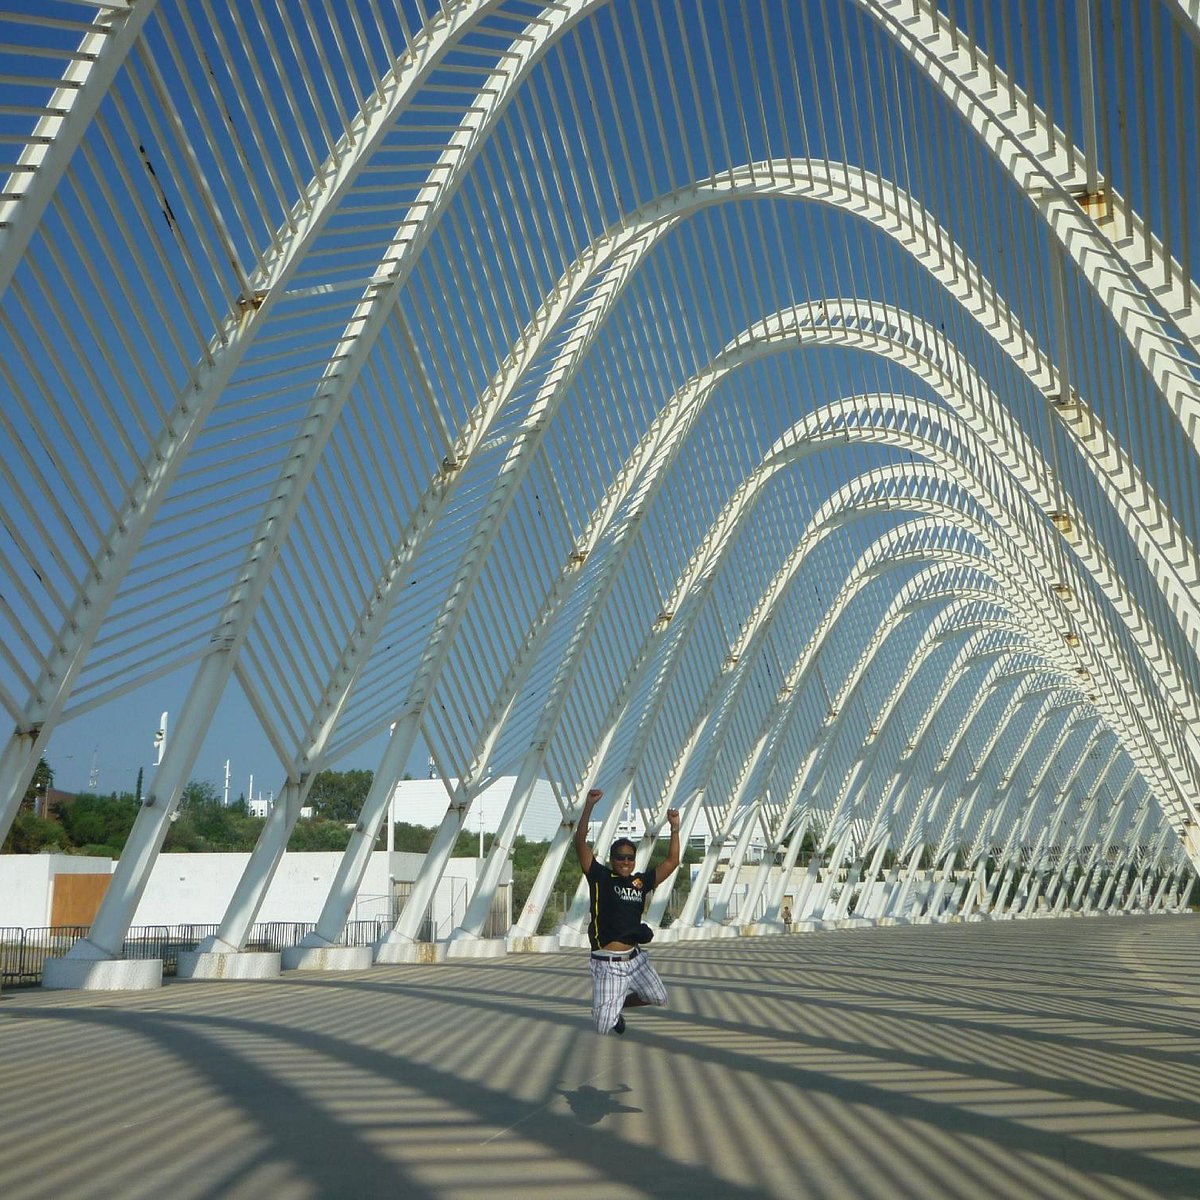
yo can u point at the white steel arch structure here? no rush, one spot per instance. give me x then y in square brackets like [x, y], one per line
[624, 392]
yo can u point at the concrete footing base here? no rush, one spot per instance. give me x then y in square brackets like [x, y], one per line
[541, 944]
[810, 926]
[243, 964]
[102, 975]
[663, 936]
[852, 923]
[326, 958]
[410, 952]
[702, 933]
[763, 928]
[476, 947]
[715, 929]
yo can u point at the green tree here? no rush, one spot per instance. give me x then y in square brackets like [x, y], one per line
[40, 783]
[200, 793]
[204, 824]
[99, 824]
[416, 839]
[31, 834]
[319, 834]
[339, 795]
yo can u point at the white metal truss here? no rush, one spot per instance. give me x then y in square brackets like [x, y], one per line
[655, 396]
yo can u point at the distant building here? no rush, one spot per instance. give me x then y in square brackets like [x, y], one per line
[262, 808]
[51, 801]
[633, 827]
[424, 802]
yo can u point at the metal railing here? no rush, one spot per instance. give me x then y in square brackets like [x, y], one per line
[23, 951]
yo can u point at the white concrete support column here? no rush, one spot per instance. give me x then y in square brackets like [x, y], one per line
[720, 908]
[1083, 885]
[1100, 888]
[942, 867]
[526, 925]
[754, 893]
[397, 945]
[871, 897]
[806, 893]
[1130, 858]
[693, 906]
[855, 878]
[223, 955]
[1114, 896]
[1158, 899]
[820, 908]
[106, 937]
[775, 902]
[899, 908]
[322, 942]
[869, 887]
[480, 904]
[841, 906]
[758, 884]
[1114, 887]
[661, 897]
[1057, 889]
[1170, 900]
[977, 892]
[998, 905]
[1100, 851]
[246, 902]
[1025, 885]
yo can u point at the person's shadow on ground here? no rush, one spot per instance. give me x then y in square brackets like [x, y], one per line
[590, 1104]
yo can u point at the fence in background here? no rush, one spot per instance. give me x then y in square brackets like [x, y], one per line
[23, 951]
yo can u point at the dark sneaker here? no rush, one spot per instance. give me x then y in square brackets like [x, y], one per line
[619, 1027]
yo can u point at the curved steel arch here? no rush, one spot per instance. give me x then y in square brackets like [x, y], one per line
[1033, 582]
[858, 189]
[1146, 293]
[116, 914]
[739, 352]
[854, 508]
[839, 825]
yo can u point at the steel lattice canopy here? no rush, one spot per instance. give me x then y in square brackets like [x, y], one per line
[784, 411]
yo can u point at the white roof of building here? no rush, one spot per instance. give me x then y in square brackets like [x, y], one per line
[424, 802]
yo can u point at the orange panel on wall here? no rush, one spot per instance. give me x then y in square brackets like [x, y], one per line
[76, 898]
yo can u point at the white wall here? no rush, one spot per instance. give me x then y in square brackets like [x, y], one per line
[194, 889]
[26, 884]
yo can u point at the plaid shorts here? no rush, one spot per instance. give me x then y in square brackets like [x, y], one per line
[614, 978]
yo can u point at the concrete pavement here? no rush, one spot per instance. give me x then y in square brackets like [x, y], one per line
[1048, 1060]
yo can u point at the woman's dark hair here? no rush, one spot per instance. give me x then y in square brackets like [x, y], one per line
[621, 842]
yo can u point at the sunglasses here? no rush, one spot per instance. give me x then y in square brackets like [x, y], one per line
[623, 857]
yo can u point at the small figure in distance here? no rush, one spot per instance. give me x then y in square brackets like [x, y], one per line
[622, 976]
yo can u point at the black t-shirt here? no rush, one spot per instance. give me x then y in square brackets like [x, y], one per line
[617, 904]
